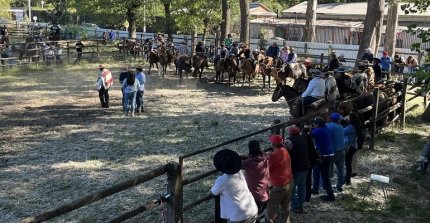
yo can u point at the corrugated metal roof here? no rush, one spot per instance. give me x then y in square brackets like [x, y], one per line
[334, 23]
[258, 9]
[353, 8]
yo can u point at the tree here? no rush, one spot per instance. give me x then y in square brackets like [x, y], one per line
[244, 21]
[4, 6]
[391, 28]
[372, 27]
[225, 22]
[168, 22]
[311, 17]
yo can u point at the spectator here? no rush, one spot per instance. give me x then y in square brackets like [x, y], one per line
[324, 146]
[104, 83]
[122, 76]
[79, 46]
[299, 166]
[112, 36]
[377, 69]
[105, 37]
[273, 51]
[236, 200]
[351, 132]
[58, 53]
[50, 55]
[385, 62]
[398, 63]
[334, 62]
[140, 76]
[257, 174]
[314, 161]
[131, 85]
[281, 180]
[368, 55]
[337, 139]
[412, 64]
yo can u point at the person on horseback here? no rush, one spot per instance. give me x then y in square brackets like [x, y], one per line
[247, 55]
[331, 91]
[334, 62]
[273, 51]
[292, 56]
[228, 42]
[234, 50]
[222, 53]
[284, 54]
[359, 82]
[315, 89]
[201, 50]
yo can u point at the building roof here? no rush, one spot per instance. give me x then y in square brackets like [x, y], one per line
[302, 22]
[345, 9]
[258, 9]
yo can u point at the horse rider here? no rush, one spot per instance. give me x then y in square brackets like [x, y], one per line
[292, 56]
[284, 54]
[273, 51]
[359, 82]
[201, 50]
[222, 53]
[334, 62]
[331, 93]
[234, 50]
[228, 42]
[246, 52]
[182, 51]
[316, 88]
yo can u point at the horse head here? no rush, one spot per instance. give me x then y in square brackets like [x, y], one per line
[285, 91]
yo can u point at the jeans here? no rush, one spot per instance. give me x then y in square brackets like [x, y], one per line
[316, 176]
[58, 59]
[309, 100]
[308, 185]
[299, 189]
[348, 163]
[104, 97]
[278, 206]
[139, 101]
[248, 220]
[130, 102]
[339, 161]
[325, 174]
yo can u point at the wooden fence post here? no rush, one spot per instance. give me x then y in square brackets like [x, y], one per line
[374, 117]
[97, 41]
[403, 108]
[174, 188]
[276, 131]
[322, 58]
[68, 52]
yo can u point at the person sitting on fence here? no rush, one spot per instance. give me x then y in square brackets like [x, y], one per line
[299, 165]
[58, 53]
[292, 56]
[256, 168]
[368, 55]
[281, 181]
[236, 201]
[284, 54]
[324, 146]
[424, 159]
[273, 51]
[398, 63]
[316, 88]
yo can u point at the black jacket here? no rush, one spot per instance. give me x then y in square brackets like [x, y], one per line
[299, 154]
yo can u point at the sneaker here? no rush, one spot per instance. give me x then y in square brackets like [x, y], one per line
[132, 114]
[327, 198]
[297, 210]
[315, 192]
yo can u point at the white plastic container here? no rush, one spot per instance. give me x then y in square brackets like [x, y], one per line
[380, 178]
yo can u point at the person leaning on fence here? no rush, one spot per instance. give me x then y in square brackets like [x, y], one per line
[79, 47]
[256, 168]
[104, 82]
[398, 63]
[281, 182]
[412, 64]
[386, 62]
[140, 76]
[337, 138]
[324, 146]
[236, 201]
[299, 165]
[131, 85]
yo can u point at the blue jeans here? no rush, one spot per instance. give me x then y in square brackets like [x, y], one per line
[325, 174]
[309, 100]
[130, 102]
[316, 176]
[299, 189]
[139, 101]
[339, 161]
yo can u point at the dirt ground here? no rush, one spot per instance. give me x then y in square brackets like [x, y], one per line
[57, 144]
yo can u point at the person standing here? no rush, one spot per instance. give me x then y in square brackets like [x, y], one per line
[58, 53]
[368, 55]
[324, 146]
[299, 166]
[79, 46]
[140, 76]
[237, 204]
[334, 62]
[337, 138]
[351, 134]
[131, 85]
[281, 180]
[112, 36]
[104, 82]
[377, 69]
[386, 62]
[122, 76]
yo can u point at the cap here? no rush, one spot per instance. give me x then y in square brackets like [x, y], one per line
[335, 117]
[276, 139]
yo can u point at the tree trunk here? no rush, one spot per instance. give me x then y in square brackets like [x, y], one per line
[426, 115]
[372, 27]
[244, 21]
[131, 18]
[391, 29]
[168, 21]
[225, 22]
[311, 17]
[205, 29]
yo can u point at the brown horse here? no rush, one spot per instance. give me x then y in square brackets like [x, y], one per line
[199, 64]
[247, 69]
[153, 59]
[233, 68]
[166, 58]
[221, 67]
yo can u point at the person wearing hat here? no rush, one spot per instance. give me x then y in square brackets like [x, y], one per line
[368, 55]
[299, 166]
[122, 76]
[79, 46]
[105, 80]
[377, 69]
[315, 89]
[140, 76]
[386, 61]
[256, 169]
[182, 51]
[228, 42]
[323, 144]
[200, 48]
[273, 50]
[281, 180]
[370, 78]
[292, 56]
[331, 91]
[236, 201]
[334, 62]
[337, 139]
[359, 82]
[234, 50]
[398, 63]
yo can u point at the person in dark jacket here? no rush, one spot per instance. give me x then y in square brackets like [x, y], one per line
[273, 51]
[314, 160]
[122, 76]
[334, 62]
[368, 55]
[299, 166]
[200, 48]
[377, 69]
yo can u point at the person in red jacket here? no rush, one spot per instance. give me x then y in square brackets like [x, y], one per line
[281, 180]
[103, 84]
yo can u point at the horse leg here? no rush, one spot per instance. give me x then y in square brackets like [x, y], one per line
[264, 80]
[249, 80]
[268, 77]
[243, 78]
[149, 70]
[201, 72]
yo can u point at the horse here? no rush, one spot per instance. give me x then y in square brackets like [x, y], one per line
[221, 67]
[233, 68]
[29, 50]
[247, 69]
[265, 67]
[166, 58]
[126, 45]
[153, 59]
[293, 71]
[199, 64]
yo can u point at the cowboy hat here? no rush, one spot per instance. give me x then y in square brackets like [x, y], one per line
[101, 66]
[365, 63]
[227, 161]
[316, 72]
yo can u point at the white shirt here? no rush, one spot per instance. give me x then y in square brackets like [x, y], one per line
[316, 88]
[237, 202]
[142, 80]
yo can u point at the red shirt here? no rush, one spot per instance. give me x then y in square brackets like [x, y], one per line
[257, 176]
[280, 167]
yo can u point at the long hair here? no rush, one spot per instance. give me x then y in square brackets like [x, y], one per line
[131, 77]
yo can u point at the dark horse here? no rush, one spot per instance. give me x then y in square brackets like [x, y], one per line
[199, 64]
[166, 58]
[153, 59]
